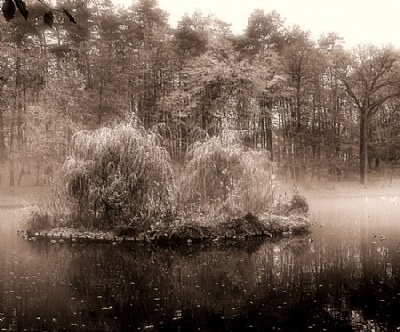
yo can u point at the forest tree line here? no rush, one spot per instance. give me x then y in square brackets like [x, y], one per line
[322, 111]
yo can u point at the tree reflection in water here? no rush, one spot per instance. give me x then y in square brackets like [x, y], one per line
[345, 278]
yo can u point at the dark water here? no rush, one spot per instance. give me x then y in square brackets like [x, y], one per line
[343, 276]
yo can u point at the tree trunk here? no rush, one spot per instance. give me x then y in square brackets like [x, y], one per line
[100, 110]
[20, 176]
[269, 137]
[364, 147]
[387, 154]
[3, 148]
[12, 174]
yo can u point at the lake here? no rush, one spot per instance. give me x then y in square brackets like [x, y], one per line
[344, 275]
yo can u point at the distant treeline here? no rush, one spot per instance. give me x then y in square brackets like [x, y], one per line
[320, 110]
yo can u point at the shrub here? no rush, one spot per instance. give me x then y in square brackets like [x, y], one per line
[223, 173]
[297, 204]
[117, 175]
[37, 219]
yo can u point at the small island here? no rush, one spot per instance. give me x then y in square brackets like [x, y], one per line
[119, 184]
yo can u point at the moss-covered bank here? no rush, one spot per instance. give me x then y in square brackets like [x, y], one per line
[239, 229]
[293, 220]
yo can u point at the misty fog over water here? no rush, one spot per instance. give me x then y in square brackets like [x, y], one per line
[343, 275]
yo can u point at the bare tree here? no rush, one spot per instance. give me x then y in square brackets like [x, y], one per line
[371, 78]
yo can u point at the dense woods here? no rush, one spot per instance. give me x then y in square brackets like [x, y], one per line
[321, 111]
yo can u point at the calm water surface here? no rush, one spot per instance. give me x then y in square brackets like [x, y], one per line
[344, 276]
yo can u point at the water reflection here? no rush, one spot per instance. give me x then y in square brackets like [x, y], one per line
[344, 275]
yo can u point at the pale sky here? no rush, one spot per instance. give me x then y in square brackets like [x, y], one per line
[357, 21]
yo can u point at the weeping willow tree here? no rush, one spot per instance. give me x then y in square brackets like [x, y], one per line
[117, 175]
[221, 173]
[122, 176]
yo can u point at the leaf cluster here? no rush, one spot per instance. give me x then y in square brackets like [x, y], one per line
[9, 9]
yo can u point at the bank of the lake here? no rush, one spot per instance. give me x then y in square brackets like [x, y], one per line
[181, 232]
